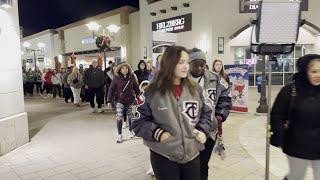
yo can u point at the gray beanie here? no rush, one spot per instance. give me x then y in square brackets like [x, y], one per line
[197, 55]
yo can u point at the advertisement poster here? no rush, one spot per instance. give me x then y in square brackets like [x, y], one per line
[239, 77]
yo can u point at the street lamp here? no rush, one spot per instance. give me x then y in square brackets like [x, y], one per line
[40, 45]
[93, 26]
[113, 29]
[6, 3]
[277, 28]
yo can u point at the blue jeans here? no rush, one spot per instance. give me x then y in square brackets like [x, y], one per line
[122, 111]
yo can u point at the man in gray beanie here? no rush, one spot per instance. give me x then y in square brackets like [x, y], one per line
[217, 98]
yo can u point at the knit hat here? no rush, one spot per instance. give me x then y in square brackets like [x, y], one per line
[197, 55]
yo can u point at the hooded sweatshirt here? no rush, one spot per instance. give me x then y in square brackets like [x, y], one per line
[142, 74]
[299, 109]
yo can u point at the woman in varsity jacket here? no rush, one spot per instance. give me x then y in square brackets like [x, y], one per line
[295, 119]
[174, 120]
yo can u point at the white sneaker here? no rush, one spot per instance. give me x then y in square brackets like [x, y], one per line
[124, 125]
[131, 134]
[94, 110]
[100, 110]
[119, 139]
[150, 172]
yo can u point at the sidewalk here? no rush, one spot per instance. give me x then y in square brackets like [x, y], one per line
[76, 144]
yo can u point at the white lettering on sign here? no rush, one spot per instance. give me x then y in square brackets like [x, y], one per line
[253, 6]
[88, 40]
[171, 25]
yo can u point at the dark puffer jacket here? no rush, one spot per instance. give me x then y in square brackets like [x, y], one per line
[302, 137]
[123, 88]
[94, 77]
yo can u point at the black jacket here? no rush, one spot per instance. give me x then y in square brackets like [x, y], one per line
[142, 74]
[94, 77]
[302, 137]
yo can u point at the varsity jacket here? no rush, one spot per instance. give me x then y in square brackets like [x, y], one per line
[163, 113]
[216, 95]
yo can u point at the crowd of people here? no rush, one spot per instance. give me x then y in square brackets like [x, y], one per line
[177, 105]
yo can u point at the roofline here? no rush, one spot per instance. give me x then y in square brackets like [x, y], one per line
[120, 10]
[129, 9]
[48, 31]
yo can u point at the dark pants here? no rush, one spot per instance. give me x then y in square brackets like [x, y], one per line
[164, 169]
[38, 85]
[205, 156]
[98, 92]
[67, 94]
[48, 88]
[24, 88]
[29, 87]
[56, 90]
[86, 95]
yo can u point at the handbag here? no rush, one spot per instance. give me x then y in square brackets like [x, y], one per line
[293, 94]
[75, 81]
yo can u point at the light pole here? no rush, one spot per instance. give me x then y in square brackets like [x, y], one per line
[40, 45]
[93, 26]
[113, 29]
[263, 106]
[274, 38]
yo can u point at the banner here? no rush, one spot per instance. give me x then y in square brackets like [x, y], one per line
[239, 77]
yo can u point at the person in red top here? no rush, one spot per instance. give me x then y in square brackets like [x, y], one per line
[48, 81]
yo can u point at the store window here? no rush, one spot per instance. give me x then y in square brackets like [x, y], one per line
[282, 70]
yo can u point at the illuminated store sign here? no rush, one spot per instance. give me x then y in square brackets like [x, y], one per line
[252, 8]
[88, 40]
[174, 25]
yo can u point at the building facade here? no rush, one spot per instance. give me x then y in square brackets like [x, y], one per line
[222, 31]
[76, 39]
[13, 118]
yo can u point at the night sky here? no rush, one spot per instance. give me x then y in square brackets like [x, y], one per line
[38, 15]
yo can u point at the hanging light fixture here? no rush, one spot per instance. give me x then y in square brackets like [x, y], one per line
[6, 3]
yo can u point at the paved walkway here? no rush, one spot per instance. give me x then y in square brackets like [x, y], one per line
[76, 144]
[252, 138]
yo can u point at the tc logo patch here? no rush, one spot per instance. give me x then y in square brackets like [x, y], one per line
[211, 95]
[191, 111]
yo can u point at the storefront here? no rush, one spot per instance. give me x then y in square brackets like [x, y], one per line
[40, 49]
[221, 30]
[78, 40]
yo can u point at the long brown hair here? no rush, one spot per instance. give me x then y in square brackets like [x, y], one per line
[163, 80]
[221, 73]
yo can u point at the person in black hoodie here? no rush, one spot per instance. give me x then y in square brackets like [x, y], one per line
[142, 73]
[94, 82]
[295, 119]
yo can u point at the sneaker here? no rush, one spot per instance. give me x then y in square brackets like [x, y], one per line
[124, 125]
[100, 110]
[119, 139]
[150, 172]
[94, 110]
[131, 134]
